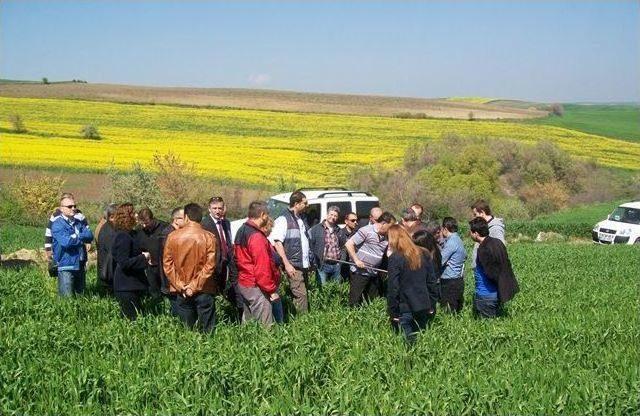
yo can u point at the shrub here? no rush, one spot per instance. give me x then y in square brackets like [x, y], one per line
[17, 124]
[137, 186]
[30, 199]
[544, 198]
[471, 116]
[45, 80]
[89, 131]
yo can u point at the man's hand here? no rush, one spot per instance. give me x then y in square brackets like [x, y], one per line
[274, 297]
[188, 292]
[291, 271]
[359, 263]
[88, 247]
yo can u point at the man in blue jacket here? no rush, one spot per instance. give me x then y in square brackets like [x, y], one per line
[68, 238]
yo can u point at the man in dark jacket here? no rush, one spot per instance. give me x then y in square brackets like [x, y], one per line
[495, 282]
[324, 246]
[216, 223]
[149, 237]
[345, 233]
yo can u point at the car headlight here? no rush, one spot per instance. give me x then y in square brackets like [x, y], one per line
[626, 231]
[595, 228]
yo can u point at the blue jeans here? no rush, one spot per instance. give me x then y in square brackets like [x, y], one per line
[486, 307]
[329, 272]
[71, 282]
[278, 311]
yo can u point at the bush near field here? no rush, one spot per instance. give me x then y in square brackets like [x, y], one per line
[519, 181]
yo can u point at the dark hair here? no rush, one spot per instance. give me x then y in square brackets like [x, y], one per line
[387, 217]
[481, 205]
[450, 224]
[296, 197]
[124, 218]
[175, 212]
[193, 211]
[256, 209]
[350, 214]
[216, 199]
[409, 215]
[480, 226]
[426, 240]
[145, 214]
[433, 227]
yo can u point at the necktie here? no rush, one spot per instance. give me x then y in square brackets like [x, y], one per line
[223, 238]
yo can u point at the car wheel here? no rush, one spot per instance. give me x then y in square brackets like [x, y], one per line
[637, 241]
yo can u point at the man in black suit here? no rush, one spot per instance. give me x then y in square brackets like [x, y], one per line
[217, 224]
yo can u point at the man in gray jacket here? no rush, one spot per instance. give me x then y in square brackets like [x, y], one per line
[481, 209]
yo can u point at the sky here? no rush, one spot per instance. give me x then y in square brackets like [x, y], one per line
[550, 51]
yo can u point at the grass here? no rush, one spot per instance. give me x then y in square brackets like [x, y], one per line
[253, 147]
[14, 237]
[618, 121]
[569, 345]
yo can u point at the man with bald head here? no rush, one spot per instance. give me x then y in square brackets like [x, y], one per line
[374, 214]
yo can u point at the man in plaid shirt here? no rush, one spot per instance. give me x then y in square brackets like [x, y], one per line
[325, 247]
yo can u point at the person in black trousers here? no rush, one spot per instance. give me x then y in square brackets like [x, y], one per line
[409, 269]
[129, 280]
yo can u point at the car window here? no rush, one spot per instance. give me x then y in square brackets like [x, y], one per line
[312, 214]
[276, 208]
[364, 207]
[344, 206]
[627, 215]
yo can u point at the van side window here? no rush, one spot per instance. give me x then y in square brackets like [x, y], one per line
[364, 207]
[313, 214]
[345, 208]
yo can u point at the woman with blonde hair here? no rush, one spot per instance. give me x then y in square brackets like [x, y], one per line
[409, 268]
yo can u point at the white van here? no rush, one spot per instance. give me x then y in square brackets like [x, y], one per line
[622, 226]
[319, 200]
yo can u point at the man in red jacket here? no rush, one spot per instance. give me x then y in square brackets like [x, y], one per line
[258, 275]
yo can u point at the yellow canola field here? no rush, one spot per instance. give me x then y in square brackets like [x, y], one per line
[255, 147]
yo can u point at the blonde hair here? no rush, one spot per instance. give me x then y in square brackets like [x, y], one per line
[400, 241]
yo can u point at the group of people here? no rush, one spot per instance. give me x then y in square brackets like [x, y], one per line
[192, 259]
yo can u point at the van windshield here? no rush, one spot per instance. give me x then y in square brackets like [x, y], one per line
[628, 215]
[276, 208]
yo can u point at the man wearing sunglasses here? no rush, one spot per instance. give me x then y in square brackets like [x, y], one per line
[69, 235]
[345, 233]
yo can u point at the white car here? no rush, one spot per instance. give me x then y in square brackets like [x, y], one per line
[319, 200]
[622, 226]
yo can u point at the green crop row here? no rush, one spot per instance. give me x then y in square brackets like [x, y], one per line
[568, 345]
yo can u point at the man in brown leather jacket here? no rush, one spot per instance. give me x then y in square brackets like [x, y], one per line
[189, 262]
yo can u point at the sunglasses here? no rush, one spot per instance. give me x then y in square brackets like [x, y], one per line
[70, 206]
[352, 219]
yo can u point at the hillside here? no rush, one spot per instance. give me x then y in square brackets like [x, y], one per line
[619, 121]
[251, 146]
[269, 100]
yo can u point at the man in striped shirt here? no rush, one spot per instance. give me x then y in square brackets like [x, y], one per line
[367, 248]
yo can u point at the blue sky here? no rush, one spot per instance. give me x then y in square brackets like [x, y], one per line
[535, 50]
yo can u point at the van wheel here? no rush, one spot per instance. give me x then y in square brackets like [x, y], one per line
[637, 241]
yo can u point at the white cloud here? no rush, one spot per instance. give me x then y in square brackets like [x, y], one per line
[259, 79]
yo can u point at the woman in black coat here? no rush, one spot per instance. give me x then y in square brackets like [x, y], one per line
[427, 241]
[408, 300]
[129, 279]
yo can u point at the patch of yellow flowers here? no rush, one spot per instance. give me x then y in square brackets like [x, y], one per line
[254, 147]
